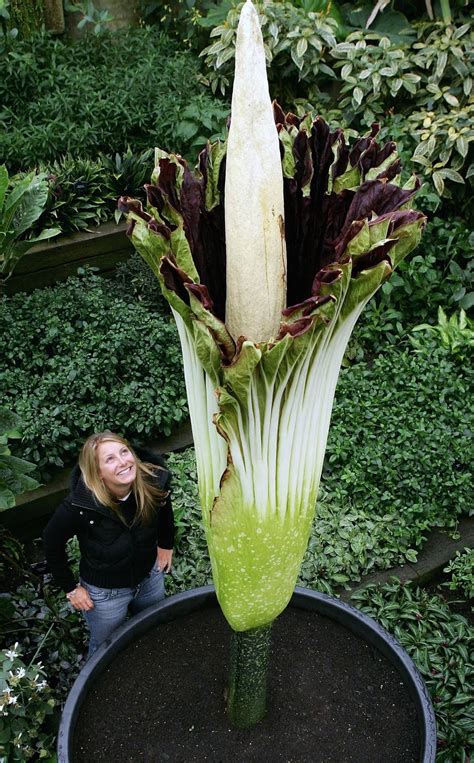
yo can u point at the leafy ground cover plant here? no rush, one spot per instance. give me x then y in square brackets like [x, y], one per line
[68, 102]
[461, 572]
[440, 644]
[80, 358]
[43, 643]
[403, 460]
[134, 278]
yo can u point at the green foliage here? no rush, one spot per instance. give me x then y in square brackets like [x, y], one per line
[127, 173]
[444, 140]
[373, 70]
[12, 559]
[5, 31]
[349, 541]
[191, 563]
[46, 631]
[134, 278]
[461, 570]
[79, 195]
[26, 702]
[456, 334]
[100, 94]
[90, 15]
[439, 642]
[14, 472]
[442, 276]
[22, 200]
[382, 73]
[201, 121]
[79, 358]
[295, 43]
[404, 448]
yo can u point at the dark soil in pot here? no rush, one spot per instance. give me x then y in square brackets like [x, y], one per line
[332, 699]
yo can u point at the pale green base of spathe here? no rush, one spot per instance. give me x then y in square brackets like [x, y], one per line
[255, 563]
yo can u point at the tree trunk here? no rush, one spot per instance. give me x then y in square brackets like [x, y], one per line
[26, 16]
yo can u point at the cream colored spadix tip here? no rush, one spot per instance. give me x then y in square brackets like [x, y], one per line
[254, 211]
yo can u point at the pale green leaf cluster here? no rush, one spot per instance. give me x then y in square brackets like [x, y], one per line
[456, 333]
[288, 30]
[22, 200]
[14, 472]
[444, 141]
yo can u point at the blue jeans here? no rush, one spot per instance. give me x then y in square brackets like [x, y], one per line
[112, 605]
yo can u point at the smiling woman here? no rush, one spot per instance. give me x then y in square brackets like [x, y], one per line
[120, 510]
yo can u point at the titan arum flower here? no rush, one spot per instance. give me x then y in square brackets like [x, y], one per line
[267, 255]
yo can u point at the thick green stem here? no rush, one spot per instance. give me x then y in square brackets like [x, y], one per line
[446, 11]
[249, 658]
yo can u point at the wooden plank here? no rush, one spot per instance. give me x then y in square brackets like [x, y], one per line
[78, 246]
[27, 282]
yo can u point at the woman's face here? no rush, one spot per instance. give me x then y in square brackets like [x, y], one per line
[117, 467]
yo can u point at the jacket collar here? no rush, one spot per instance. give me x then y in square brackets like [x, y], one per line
[84, 498]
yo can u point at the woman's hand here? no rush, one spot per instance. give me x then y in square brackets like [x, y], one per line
[80, 599]
[163, 559]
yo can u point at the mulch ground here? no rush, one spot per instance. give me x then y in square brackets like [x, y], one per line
[332, 699]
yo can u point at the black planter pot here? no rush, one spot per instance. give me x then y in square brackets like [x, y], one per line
[176, 607]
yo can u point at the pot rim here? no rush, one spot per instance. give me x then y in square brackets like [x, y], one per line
[181, 604]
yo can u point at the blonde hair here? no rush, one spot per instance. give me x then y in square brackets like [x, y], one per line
[147, 495]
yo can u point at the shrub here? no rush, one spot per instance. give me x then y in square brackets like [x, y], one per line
[99, 94]
[455, 334]
[295, 39]
[376, 71]
[403, 451]
[79, 358]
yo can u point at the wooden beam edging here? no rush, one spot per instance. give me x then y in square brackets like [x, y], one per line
[59, 258]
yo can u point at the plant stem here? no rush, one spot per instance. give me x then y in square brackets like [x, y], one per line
[446, 11]
[249, 658]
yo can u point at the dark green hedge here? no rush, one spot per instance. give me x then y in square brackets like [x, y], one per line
[100, 93]
[82, 356]
[401, 436]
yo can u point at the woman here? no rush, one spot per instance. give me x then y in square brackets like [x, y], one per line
[120, 510]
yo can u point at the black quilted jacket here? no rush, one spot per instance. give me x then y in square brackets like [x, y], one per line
[115, 553]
